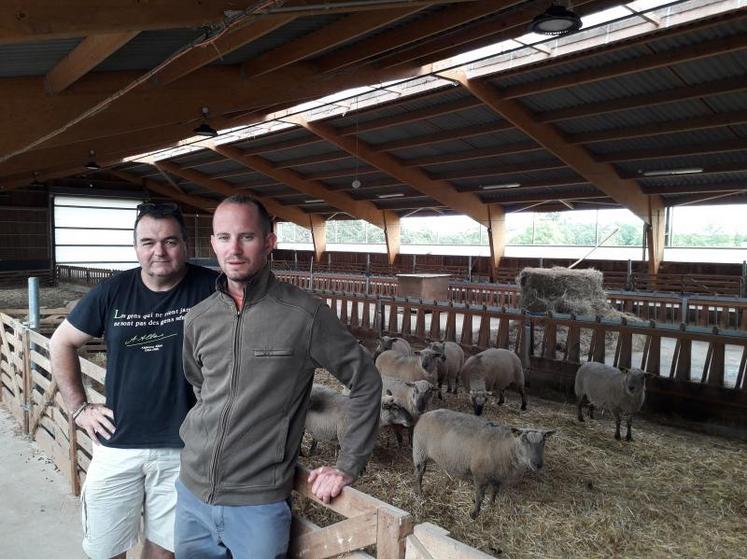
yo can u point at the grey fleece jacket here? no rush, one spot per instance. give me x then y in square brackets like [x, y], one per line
[252, 373]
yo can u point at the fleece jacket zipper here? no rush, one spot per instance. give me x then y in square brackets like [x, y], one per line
[225, 414]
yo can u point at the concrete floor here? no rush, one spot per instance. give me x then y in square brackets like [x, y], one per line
[39, 517]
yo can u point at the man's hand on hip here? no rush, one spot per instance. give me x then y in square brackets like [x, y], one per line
[327, 482]
[96, 419]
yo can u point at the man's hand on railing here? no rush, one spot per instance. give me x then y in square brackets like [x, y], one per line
[96, 419]
[327, 482]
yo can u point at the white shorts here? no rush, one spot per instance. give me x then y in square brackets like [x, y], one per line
[122, 486]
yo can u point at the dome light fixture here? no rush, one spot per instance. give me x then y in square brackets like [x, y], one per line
[91, 165]
[556, 20]
[204, 129]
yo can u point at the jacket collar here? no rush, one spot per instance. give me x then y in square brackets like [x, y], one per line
[256, 288]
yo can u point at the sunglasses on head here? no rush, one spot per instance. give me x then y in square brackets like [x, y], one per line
[162, 208]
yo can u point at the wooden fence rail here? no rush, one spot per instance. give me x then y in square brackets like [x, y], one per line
[663, 349]
[29, 391]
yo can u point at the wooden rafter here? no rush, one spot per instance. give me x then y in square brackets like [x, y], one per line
[355, 208]
[396, 38]
[93, 50]
[222, 45]
[639, 64]
[508, 25]
[601, 175]
[739, 144]
[283, 212]
[660, 128]
[441, 191]
[708, 89]
[163, 190]
[43, 20]
[346, 29]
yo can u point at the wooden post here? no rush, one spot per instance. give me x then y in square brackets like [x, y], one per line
[27, 380]
[393, 527]
[73, 440]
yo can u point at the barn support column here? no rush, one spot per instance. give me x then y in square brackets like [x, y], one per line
[496, 236]
[655, 237]
[391, 235]
[318, 236]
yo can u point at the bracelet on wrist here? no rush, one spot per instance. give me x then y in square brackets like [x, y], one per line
[80, 409]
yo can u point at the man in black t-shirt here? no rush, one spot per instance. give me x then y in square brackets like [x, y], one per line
[136, 439]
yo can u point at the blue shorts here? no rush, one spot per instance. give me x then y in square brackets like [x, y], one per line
[206, 531]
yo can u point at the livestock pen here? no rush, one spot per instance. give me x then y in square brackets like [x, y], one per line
[669, 493]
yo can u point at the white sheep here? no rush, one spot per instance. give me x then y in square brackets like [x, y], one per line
[412, 396]
[448, 370]
[421, 366]
[470, 447]
[622, 393]
[490, 371]
[327, 415]
[393, 343]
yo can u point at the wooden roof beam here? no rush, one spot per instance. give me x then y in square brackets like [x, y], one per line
[738, 144]
[660, 128]
[602, 175]
[286, 213]
[160, 188]
[223, 44]
[343, 202]
[93, 50]
[639, 64]
[442, 191]
[347, 29]
[427, 26]
[708, 89]
[44, 20]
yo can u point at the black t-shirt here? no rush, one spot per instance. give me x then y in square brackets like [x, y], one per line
[143, 329]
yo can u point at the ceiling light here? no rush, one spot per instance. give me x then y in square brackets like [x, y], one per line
[397, 195]
[670, 172]
[499, 186]
[556, 20]
[356, 183]
[314, 201]
[204, 129]
[36, 182]
[92, 165]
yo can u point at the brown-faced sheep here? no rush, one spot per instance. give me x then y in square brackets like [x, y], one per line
[386, 343]
[421, 366]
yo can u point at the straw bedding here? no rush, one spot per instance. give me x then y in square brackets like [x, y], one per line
[669, 493]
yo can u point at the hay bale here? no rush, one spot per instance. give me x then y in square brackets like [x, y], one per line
[562, 290]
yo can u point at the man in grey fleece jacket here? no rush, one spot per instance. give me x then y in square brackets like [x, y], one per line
[250, 351]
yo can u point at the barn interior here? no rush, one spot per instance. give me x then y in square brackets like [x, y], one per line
[379, 110]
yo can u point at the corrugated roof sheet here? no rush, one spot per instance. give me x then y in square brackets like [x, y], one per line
[288, 32]
[654, 143]
[148, 50]
[33, 59]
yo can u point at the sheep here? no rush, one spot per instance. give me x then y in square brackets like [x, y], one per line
[493, 370]
[421, 366]
[469, 447]
[386, 343]
[448, 370]
[326, 418]
[622, 393]
[412, 396]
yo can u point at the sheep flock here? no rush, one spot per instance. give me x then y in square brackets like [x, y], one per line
[667, 493]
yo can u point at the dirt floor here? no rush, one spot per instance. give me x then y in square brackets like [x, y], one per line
[49, 297]
[669, 493]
